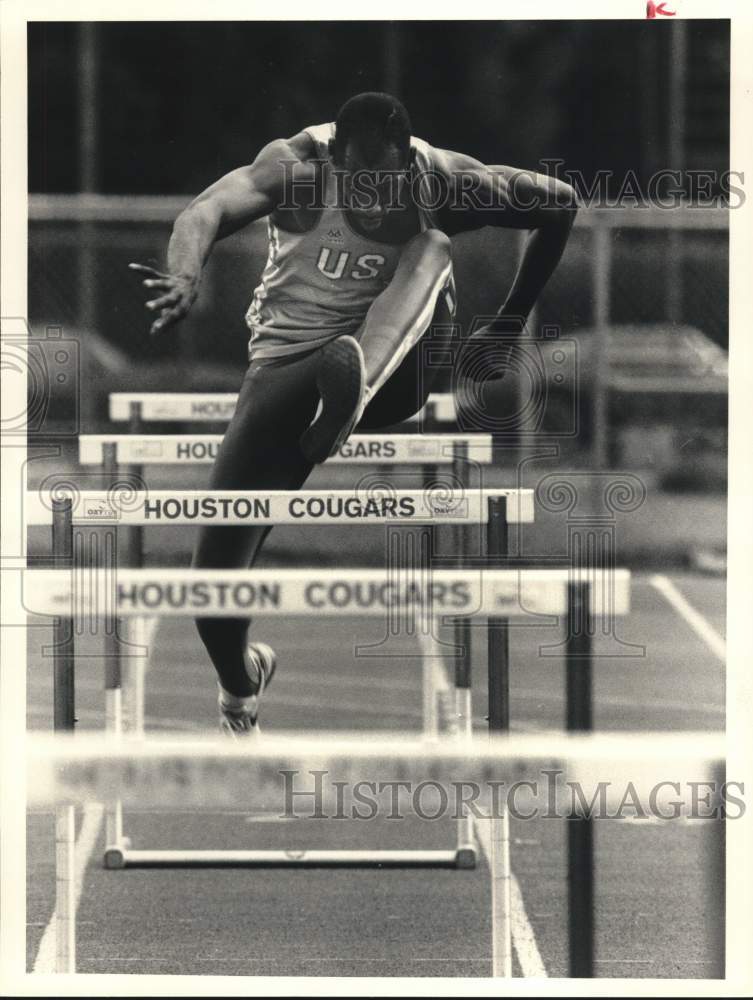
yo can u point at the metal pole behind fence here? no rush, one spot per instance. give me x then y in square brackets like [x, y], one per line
[580, 832]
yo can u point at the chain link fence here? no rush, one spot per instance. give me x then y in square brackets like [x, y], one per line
[638, 291]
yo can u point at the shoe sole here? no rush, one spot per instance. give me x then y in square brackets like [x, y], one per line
[341, 382]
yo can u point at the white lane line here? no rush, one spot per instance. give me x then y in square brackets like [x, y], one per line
[523, 937]
[87, 838]
[694, 618]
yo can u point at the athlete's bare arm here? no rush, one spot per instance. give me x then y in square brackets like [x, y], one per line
[232, 202]
[482, 195]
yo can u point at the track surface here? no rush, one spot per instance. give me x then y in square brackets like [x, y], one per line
[656, 910]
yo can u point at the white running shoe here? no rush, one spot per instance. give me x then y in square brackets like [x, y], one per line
[239, 716]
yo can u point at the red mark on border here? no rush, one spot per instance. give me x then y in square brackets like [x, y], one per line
[652, 9]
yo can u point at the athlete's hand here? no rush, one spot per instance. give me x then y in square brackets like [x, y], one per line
[177, 294]
[486, 354]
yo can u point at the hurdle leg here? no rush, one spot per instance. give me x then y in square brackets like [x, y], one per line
[138, 629]
[134, 675]
[114, 807]
[135, 538]
[501, 905]
[466, 839]
[64, 720]
[580, 832]
[65, 888]
[429, 699]
[115, 842]
[499, 628]
[430, 693]
[64, 713]
[499, 721]
[113, 689]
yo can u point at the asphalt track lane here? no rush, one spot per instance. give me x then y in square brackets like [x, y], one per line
[413, 924]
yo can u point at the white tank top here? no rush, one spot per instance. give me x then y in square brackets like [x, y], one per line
[320, 284]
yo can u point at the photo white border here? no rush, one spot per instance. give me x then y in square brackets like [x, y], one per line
[14, 15]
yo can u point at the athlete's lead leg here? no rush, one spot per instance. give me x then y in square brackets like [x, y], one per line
[352, 370]
[400, 316]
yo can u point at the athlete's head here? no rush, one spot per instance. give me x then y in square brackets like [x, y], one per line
[372, 149]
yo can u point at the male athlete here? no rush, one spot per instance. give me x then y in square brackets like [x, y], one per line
[359, 215]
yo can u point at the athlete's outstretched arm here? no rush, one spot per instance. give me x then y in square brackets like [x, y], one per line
[481, 195]
[232, 202]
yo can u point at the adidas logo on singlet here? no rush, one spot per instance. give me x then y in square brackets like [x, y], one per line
[334, 236]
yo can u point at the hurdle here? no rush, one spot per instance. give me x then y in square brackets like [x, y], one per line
[380, 505]
[139, 408]
[65, 771]
[137, 450]
[522, 593]
[430, 451]
[361, 449]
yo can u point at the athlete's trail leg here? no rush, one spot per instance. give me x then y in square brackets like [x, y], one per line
[260, 451]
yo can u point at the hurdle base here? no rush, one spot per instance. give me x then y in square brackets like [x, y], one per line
[120, 856]
[465, 857]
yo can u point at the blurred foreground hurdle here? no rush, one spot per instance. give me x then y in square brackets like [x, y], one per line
[160, 774]
[527, 594]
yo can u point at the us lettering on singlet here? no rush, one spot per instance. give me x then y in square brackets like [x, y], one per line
[366, 266]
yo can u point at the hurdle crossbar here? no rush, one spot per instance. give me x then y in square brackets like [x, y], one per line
[519, 593]
[215, 772]
[201, 449]
[309, 507]
[218, 407]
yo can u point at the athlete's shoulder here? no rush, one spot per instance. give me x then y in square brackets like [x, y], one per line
[283, 161]
[443, 161]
